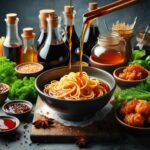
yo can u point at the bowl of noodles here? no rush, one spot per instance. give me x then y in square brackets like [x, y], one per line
[75, 95]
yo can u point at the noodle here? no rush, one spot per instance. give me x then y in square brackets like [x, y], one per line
[76, 86]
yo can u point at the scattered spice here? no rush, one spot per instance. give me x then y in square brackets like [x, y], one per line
[43, 122]
[82, 142]
[25, 126]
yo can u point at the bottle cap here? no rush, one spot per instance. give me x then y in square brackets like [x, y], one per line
[11, 18]
[68, 9]
[53, 20]
[92, 6]
[28, 33]
[43, 14]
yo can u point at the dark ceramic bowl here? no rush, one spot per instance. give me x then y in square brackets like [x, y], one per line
[131, 129]
[71, 109]
[19, 115]
[126, 83]
[25, 74]
[13, 129]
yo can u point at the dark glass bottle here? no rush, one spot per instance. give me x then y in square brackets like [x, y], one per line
[92, 33]
[143, 43]
[69, 20]
[44, 13]
[12, 44]
[54, 53]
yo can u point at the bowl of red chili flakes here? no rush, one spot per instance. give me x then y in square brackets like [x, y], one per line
[18, 108]
[130, 75]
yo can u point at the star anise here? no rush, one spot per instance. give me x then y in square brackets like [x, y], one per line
[82, 142]
[43, 122]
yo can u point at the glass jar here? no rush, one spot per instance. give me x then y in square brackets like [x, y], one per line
[143, 44]
[109, 51]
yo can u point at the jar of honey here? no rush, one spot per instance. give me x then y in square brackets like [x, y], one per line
[109, 52]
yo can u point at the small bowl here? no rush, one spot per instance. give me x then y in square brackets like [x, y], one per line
[107, 67]
[13, 129]
[126, 83]
[19, 115]
[29, 74]
[4, 94]
[137, 130]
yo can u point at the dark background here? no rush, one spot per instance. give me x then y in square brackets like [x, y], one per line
[28, 11]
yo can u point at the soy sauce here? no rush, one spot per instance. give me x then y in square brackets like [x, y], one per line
[41, 40]
[91, 39]
[13, 52]
[54, 55]
[74, 39]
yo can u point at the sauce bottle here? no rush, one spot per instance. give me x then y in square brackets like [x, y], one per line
[143, 43]
[12, 44]
[92, 33]
[29, 51]
[54, 53]
[43, 14]
[71, 36]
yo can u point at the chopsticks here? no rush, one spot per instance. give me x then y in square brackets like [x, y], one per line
[109, 8]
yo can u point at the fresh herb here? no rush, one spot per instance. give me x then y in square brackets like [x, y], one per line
[7, 71]
[141, 91]
[137, 56]
[23, 90]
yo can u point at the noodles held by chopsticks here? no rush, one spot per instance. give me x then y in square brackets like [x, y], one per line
[76, 86]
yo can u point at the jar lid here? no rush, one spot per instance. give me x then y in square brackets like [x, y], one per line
[28, 33]
[68, 9]
[109, 39]
[11, 18]
[92, 6]
[53, 20]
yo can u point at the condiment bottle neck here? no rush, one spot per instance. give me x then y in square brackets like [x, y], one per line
[28, 43]
[69, 19]
[12, 36]
[54, 36]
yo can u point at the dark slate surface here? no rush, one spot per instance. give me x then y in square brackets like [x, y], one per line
[20, 140]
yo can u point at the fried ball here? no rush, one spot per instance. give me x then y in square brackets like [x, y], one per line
[128, 107]
[136, 120]
[143, 107]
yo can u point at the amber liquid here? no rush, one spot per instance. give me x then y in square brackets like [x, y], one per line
[92, 39]
[30, 55]
[109, 57]
[54, 55]
[74, 39]
[13, 52]
[41, 40]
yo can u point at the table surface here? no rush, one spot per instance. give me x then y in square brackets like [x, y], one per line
[21, 140]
